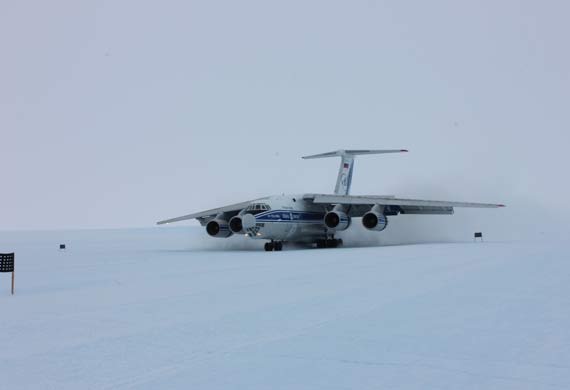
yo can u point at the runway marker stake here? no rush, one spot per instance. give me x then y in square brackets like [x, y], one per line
[7, 265]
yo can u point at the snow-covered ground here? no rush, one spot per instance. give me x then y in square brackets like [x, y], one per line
[157, 308]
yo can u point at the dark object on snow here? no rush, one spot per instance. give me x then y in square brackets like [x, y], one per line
[6, 262]
[61, 246]
[477, 235]
[7, 265]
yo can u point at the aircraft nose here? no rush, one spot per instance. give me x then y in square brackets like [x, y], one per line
[248, 221]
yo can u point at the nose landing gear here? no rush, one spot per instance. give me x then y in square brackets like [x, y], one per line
[273, 246]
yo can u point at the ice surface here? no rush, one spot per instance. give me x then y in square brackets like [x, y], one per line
[162, 308]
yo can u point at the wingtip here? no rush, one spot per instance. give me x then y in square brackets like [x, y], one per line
[404, 150]
[501, 205]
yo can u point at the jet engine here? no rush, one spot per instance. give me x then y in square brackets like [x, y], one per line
[241, 223]
[337, 220]
[373, 220]
[218, 228]
[236, 225]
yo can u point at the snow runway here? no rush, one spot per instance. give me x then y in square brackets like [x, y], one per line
[156, 308]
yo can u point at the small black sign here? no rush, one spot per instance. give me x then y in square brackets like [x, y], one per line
[6, 262]
[478, 235]
[61, 246]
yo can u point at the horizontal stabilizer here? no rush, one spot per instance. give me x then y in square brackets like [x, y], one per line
[354, 152]
[344, 177]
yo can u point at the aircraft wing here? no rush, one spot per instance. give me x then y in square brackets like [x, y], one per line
[205, 216]
[359, 205]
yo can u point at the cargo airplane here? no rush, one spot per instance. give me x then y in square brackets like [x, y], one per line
[315, 218]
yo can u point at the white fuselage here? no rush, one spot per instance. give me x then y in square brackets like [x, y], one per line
[290, 218]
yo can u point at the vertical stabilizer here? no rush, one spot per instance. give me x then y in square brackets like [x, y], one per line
[344, 178]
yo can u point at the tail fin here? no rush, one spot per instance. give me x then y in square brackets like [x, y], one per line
[344, 178]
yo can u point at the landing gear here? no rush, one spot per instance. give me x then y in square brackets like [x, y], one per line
[329, 243]
[273, 246]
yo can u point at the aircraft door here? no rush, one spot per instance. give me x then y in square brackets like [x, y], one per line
[288, 225]
[293, 226]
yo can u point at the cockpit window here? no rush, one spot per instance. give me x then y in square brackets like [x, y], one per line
[256, 208]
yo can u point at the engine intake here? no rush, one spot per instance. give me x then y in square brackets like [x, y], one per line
[337, 220]
[218, 228]
[374, 220]
[236, 225]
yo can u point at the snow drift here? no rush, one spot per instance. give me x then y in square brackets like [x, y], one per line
[152, 308]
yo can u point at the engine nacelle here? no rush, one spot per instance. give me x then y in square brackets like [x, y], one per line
[236, 225]
[337, 220]
[218, 228]
[374, 220]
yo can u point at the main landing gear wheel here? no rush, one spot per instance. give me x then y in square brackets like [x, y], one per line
[273, 246]
[329, 243]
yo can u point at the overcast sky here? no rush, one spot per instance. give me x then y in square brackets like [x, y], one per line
[121, 113]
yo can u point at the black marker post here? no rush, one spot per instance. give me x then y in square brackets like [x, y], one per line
[7, 265]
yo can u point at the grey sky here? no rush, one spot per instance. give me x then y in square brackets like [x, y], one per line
[123, 113]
